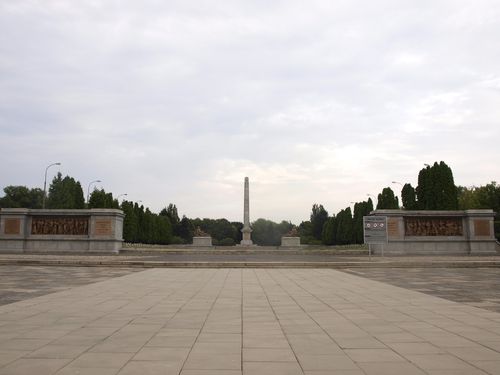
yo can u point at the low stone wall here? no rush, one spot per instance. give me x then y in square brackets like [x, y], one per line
[438, 232]
[94, 230]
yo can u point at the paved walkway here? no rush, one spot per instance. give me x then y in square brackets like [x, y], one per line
[250, 321]
[18, 283]
[472, 286]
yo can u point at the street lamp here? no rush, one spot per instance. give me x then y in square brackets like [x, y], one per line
[427, 165]
[88, 189]
[45, 183]
[399, 183]
[121, 195]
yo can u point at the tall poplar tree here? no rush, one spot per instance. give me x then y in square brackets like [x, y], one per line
[409, 197]
[436, 188]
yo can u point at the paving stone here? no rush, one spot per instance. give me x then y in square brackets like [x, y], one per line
[268, 355]
[30, 366]
[246, 321]
[271, 368]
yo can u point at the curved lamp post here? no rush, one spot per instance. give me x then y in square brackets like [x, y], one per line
[45, 183]
[88, 189]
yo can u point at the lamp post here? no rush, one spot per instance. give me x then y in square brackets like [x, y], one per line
[88, 189]
[427, 165]
[399, 183]
[45, 183]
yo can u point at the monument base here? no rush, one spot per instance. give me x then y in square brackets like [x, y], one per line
[290, 241]
[202, 241]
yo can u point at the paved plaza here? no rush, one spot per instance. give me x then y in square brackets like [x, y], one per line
[246, 321]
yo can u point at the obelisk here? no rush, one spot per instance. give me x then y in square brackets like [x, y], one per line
[246, 231]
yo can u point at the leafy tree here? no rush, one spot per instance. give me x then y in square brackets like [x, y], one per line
[436, 188]
[130, 222]
[21, 197]
[409, 197]
[65, 193]
[171, 213]
[101, 199]
[344, 227]
[219, 229]
[305, 232]
[360, 209]
[329, 235]
[186, 230]
[268, 233]
[387, 200]
[482, 197]
[319, 216]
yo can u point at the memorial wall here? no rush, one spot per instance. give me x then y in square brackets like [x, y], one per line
[438, 232]
[94, 230]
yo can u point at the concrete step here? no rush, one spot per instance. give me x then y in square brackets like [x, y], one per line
[374, 263]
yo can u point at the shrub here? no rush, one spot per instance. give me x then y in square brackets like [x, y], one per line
[226, 242]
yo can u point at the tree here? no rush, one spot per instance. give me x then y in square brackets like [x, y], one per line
[344, 227]
[361, 209]
[329, 235]
[171, 213]
[387, 200]
[65, 193]
[408, 197]
[482, 197]
[186, 230]
[21, 197]
[130, 222]
[319, 216]
[101, 199]
[436, 188]
[268, 233]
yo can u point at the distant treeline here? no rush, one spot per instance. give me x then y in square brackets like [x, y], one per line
[435, 191]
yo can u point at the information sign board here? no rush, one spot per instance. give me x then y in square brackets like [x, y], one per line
[375, 229]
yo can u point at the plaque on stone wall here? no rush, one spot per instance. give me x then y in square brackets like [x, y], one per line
[433, 226]
[393, 228]
[60, 225]
[103, 228]
[12, 226]
[482, 228]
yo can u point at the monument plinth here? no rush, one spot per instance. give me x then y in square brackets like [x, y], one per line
[246, 230]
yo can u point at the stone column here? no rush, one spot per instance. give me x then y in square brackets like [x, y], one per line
[247, 240]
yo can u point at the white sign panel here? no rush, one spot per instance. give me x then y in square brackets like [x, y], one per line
[375, 229]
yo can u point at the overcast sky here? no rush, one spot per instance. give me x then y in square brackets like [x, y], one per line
[314, 101]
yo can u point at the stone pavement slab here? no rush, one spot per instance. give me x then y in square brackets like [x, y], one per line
[246, 321]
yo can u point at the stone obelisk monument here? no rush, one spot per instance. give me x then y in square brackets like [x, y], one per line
[247, 240]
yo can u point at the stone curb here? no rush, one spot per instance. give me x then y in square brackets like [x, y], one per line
[337, 265]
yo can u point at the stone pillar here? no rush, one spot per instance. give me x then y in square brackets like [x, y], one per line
[247, 240]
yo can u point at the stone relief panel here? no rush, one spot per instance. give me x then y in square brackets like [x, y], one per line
[433, 226]
[68, 226]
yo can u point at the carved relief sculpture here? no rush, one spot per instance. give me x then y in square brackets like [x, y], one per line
[69, 226]
[433, 226]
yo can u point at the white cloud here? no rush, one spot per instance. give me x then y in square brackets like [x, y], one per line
[178, 102]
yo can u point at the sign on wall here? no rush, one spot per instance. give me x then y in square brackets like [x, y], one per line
[375, 229]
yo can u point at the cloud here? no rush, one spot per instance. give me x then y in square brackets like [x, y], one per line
[179, 101]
